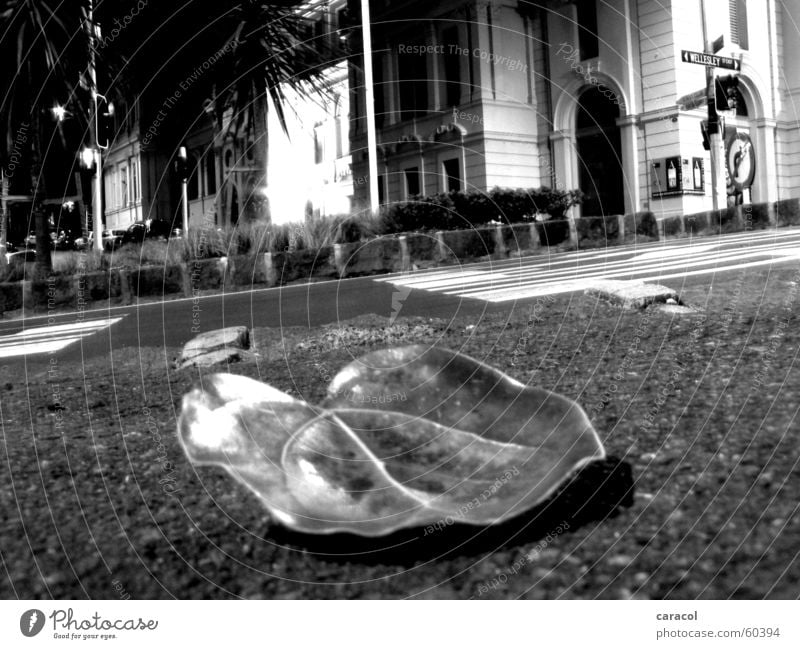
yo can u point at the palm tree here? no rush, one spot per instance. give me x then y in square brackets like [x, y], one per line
[151, 50]
[223, 61]
[43, 49]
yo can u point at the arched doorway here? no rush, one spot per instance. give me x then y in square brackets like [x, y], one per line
[599, 152]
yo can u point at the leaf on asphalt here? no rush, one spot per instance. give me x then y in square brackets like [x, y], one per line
[408, 436]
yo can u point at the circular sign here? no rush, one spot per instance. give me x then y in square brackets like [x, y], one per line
[741, 160]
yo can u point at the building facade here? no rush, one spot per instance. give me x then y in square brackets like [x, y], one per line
[593, 95]
[251, 167]
[586, 95]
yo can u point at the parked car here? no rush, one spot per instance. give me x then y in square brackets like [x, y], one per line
[30, 241]
[84, 243]
[113, 239]
[139, 231]
[65, 241]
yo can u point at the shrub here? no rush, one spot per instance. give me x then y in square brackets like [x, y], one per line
[148, 253]
[250, 238]
[459, 210]
[206, 243]
[352, 229]
[421, 213]
[318, 231]
[74, 263]
[646, 224]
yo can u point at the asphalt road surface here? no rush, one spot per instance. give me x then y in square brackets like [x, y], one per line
[456, 291]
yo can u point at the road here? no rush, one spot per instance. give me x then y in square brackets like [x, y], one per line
[465, 291]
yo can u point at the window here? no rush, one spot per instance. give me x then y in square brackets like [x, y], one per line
[452, 175]
[412, 182]
[211, 173]
[381, 189]
[110, 186]
[319, 149]
[452, 66]
[738, 20]
[135, 191]
[378, 89]
[588, 41]
[698, 182]
[412, 84]
[123, 186]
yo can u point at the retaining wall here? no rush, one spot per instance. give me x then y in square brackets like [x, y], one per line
[382, 255]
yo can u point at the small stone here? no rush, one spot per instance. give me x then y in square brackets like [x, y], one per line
[620, 561]
[216, 357]
[230, 338]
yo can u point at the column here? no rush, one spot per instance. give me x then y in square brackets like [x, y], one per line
[629, 138]
[765, 183]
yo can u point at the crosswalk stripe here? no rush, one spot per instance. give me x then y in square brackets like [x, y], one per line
[612, 270]
[41, 340]
[528, 277]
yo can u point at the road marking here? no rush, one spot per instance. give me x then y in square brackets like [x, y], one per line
[503, 282]
[43, 340]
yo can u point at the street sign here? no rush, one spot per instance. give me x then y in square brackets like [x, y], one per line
[711, 60]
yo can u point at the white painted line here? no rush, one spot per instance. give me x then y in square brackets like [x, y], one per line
[675, 252]
[26, 349]
[75, 326]
[41, 340]
[512, 276]
[567, 287]
[618, 269]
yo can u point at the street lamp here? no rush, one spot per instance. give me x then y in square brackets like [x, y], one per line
[183, 174]
[97, 158]
[59, 112]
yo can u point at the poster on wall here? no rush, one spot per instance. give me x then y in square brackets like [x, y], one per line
[740, 159]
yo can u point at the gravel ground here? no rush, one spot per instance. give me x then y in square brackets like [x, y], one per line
[697, 408]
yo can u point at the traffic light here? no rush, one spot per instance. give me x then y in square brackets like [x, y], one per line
[705, 133]
[104, 121]
[727, 92]
[181, 165]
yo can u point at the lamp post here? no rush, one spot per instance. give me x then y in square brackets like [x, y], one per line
[369, 96]
[97, 157]
[3, 211]
[715, 126]
[183, 172]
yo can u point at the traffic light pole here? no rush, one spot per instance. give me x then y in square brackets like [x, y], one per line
[97, 179]
[716, 144]
[184, 158]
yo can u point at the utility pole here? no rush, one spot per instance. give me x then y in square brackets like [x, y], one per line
[183, 169]
[372, 142]
[3, 211]
[715, 128]
[97, 179]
